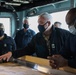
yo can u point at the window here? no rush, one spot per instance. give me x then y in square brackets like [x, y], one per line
[34, 23]
[60, 16]
[6, 23]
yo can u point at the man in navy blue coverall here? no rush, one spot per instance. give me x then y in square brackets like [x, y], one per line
[6, 43]
[49, 41]
[24, 36]
[69, 49]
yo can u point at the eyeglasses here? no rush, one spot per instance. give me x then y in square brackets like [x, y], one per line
[44, 23]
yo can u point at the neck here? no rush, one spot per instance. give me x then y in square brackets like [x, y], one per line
[1, 37]
[25, 29]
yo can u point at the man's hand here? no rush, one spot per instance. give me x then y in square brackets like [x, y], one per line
[52, 63]
[6, 56]
[57, 61]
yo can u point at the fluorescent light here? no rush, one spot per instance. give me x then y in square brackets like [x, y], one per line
[21, 1]
[16, 4]
[24, 1]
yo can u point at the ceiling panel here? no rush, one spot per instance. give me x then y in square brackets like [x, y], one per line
[19, 5]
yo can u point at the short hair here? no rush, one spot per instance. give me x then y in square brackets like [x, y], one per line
[57, 23]
[71, 16]
[47, 16]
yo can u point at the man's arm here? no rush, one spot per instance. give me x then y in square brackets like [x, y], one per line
[69, 51]
[13, 44]
[28, 50]
[16, 39]
[67, 56]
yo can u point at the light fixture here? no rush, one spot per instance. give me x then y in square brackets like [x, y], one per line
[32, 11]
[15, 4]
[22, 1]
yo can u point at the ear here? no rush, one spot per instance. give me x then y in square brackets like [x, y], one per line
[49, 23]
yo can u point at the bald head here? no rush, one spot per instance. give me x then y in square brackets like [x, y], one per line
[25, 21]
[71, 16]
[57, 24]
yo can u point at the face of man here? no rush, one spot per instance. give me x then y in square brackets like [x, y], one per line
[43, 24]
[71, 20]
[71, 23]
[26, 24]
[57, 25]
[72, 28]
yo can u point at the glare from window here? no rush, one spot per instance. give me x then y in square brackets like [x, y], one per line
[58, 16]
[6, 23]
[33, 23]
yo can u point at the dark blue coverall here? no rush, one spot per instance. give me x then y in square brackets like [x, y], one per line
[68, 51]
[23, 38]
[7, 44]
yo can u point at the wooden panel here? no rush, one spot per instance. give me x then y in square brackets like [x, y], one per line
[14, 69]
[37, 60]
[45, 62]
[68, 69]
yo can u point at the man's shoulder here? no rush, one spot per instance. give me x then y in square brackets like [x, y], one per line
[62, 30]
[38, 35]
[31, 30]
[19, 31]
[8, 37]
[63, 33]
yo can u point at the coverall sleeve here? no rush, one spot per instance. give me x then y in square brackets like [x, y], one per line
[13, 44]
[68, 51]
[28, 50]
